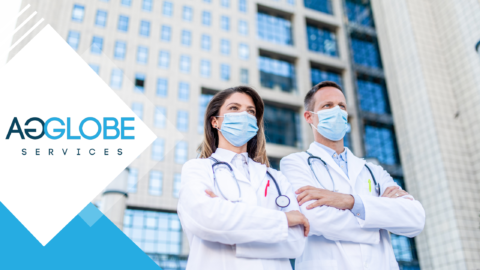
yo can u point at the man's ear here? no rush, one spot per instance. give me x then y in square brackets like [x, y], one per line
[308, 117]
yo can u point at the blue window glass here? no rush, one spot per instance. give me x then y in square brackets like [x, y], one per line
[160, 117]
[324, 6]
[95, 68]
[242, 6]
[123, 23]
[78, 13]
[206, 18]
[162, 87]
[205, 68]
[243, 51]
[120, 50]
[101, 18]
[166, 33]
[403, 248]
[139, 83]
[274, 28]
[158, 148]
[137, 108]
[187, 14]
[225, 3]
[126, 3]
[167, 9]
[322, 40]
[182, 121]
[142, 55]
[282, 126]
[155, 183]
[291, 2]
[277, 73]
[73, 39]
[144, 28]
[97, 45]
[244, 76]
[147, 5]
[186, 38]
[225, 72]
[359, 12]
[380, 144]
[346, 139]
[372, 95]
[207, 1]
[225, 23]
[185, 63]
[132, 180]
[206, 42]
[319, 75]
[204, 100]
[225, 47]
[181, 152]
[365, 53]
[156, 233]
[164, 59]
[116, 78]
[400, 182]
[183, 91]
[177, 179]
[243, 27]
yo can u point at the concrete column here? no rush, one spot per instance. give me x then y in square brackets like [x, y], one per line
[114, 199]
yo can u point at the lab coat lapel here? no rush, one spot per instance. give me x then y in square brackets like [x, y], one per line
[257, 173]
[355, 166]
[239, 175]
[318, 151]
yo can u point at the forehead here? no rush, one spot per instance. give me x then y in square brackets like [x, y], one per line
[240, 98]
[328, 94]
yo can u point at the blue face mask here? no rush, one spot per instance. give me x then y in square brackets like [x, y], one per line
[239, 128]
[332, 123]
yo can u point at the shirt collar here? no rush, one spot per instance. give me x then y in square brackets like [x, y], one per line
[227, 155]
[332, 152]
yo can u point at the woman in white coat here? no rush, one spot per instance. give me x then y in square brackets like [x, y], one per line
[229, 212]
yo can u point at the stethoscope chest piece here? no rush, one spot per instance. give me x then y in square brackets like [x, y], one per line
[282, 201]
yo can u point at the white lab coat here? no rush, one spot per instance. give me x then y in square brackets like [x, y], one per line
[338, 239]
[248, 235]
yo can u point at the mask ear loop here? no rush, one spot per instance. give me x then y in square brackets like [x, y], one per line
[312, 124]
[215, 127]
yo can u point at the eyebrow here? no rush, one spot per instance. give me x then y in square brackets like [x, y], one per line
[234, 103]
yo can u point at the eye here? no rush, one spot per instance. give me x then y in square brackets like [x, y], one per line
[252, 112]
[343, 107]
[326, 106]
[233, 108]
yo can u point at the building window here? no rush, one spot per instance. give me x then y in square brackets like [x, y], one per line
[275, 29]
[277, 73]
[166, 33]
[101, 18]
[244, 76]
[243, 27]
[225, 23]
[404, 249]
[187, 13]
[185, 63]
[205, 68]
[126, 3]
[78, 13]
[155, 183]
[132, 180]
[97, 45]
[359, 13]
[120, 50]
[95, 68]
[225, 3]
[181, 152]
[164, 59]
[365, 53]
[142, 55]
[177, 179]
[400, 182]
[346, 139]
[243, 51]
[225, 47]
[372, 95]
[204, 100]
[153, 231]
[116, 78]
[291, 2]
[73, 39]
[137, 108]
[145, 28]
[160, 117]
[162, 87]
[123, 23]
[158, 148]
[147, 5]
[182, 121]
[324, 6]
[319, 75]
[380, 144]
[206, 42]
[274, 163]
[139, 83]
[167, 9]
[186, 38]
[242, 6]
[183, 91]
[282, 126]
[207, 1]
[225, 72]
[206, 18]
[322, 40]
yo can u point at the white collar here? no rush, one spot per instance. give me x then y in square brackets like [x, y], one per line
[227, 155]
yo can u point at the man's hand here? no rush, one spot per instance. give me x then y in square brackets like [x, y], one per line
[395, 192]
[210, 193]
[324, 197]
[295, 218]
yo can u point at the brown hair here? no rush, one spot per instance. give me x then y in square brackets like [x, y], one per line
[307, 103]
[256, 147]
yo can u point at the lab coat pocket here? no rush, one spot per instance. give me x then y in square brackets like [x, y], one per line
[269, 194]
[368, 187]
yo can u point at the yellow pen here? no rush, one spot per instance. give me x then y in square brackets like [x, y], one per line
[369, 185]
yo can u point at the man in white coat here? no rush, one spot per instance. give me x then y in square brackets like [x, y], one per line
[351, 204]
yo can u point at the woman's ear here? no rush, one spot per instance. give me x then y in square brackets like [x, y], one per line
[214, 122]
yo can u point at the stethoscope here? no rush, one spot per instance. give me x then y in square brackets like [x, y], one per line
[282, 200]
[377, 186]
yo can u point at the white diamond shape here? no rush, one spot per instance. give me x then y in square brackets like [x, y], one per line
[48, 79]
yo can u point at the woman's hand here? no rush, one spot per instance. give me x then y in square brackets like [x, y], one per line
[210, 193]
[296, 218]
[395, 192]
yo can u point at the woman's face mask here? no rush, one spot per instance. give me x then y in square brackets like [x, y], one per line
[238, 128]
[332, 123]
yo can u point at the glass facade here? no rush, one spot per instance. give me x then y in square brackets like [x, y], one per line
[162, 87]
[116, 78]
[187, 14]
[137, 108]
[120, 50]
[372, 95]
[132, 180]
[185, 63]
[225, 46]
[243, 27]
[322, 40]
[274, 28]
[243, 51]
[206, 18]
[205, 68]
[144, 28]
[186, 38]
[225, 23]
[177, 178]
[97, 45]
[181, 152]
[380, 144]
[359, 12]
[204, 100]
[282, 126]
[164, 59]
[324, 6]
[365, 53]
[73, 39]
[147, 5]
[142, 55]
[206, 42]
[277, 73]
[158, 149]
[225, 72]
[122, 23]
[167, 9]
[319, 75]
[78, 13]
[166, 33]
[160, 117]
[182, 120]
[139, 82]
[183, 91]
[101, 18]
[155, 183]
